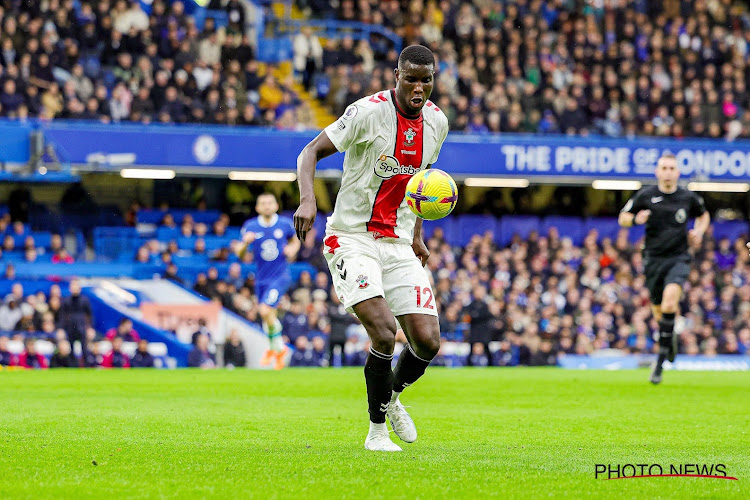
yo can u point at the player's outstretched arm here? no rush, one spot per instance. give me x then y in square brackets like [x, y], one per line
[319, 148]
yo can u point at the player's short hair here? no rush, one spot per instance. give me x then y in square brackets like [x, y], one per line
[418, 55]
[266, 193]
[668, 156]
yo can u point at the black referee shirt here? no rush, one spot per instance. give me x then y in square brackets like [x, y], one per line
[666, 228]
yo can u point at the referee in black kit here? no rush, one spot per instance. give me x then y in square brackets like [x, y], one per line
[665, 210]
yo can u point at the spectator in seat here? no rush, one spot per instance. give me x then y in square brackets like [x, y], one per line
[6, 357]
[478, 356]
[10, 313]
[234, 351]
[294, 323]
[202, 330]
[29, 358]
[142, 358]
[124, 330]
[75, 314]
[171, 274]
[63, 357]
[302, 355]
[200, 357]
[308, 55]
[545, 356]
[116, 358]
[318, 352]
[359, 356]
[339, 321]
[62, 257]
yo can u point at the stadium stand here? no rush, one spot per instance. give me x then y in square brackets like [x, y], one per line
[640, 68]
[674, 68]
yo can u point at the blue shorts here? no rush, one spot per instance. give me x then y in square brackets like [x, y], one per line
[270, 292]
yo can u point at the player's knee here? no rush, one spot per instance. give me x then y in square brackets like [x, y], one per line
[427, 349]
[383, 342]
[427, 342]
[382, 334]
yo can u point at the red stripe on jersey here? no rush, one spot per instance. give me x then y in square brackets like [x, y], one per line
[408, 151]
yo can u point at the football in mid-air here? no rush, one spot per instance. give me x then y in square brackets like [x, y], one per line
[431, 194]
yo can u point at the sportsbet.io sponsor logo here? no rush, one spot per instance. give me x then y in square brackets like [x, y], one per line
[205, 149]
[387, 166]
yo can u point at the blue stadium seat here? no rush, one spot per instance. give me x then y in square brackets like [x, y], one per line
[155, 216]
[607, 227]
[447, 224]
[111, 242]
[167, 233]
[635, 233]
[521, 225]
[469, 225]
[730, 229]
[570, 227]
[216, 242]
[187, 242]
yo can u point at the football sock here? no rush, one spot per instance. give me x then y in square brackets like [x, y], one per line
[379, 380]
[666, 329]
[377, 427]
[408, 369]
[274, 335]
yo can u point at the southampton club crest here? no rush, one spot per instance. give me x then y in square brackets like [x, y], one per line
[362, 281]
[410, 134]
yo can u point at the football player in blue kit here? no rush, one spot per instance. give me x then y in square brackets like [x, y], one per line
[274, 243]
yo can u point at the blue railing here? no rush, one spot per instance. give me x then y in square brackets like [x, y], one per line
[337, 29]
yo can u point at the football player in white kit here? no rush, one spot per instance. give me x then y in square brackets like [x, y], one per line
[373, 242]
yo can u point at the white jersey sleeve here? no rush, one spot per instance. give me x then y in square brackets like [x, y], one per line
[353, 128]
[442, 124]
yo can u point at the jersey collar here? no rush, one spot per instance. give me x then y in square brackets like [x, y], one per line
[274, 220]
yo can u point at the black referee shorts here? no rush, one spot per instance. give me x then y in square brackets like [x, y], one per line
[661, 271]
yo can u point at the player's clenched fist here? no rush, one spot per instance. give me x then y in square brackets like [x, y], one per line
[304, 218]
[642, 216]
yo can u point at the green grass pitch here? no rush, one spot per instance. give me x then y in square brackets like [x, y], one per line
[299, 433]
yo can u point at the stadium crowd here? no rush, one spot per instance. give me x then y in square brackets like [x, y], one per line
[674, 68]
[109, 61]
[617, 68]
[529, 303]
[526, 304]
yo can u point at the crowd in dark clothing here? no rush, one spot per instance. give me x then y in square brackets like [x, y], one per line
[108, 60]
[673, 68]
[526, 304]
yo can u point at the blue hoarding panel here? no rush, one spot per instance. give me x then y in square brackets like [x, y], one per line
[501, 155]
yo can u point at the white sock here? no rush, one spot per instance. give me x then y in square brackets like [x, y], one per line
[377, 427]
[394, 396]
[277, 344]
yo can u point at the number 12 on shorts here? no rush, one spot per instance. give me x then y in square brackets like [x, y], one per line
[428, 297]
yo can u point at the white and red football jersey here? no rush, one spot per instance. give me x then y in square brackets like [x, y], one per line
[384, 147]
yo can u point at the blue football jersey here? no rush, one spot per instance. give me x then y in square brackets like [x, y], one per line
[268, 247]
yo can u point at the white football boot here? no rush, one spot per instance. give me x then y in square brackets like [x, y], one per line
[401, 422]
[379, 439]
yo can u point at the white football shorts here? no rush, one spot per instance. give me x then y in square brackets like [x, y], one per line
[363, 267]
